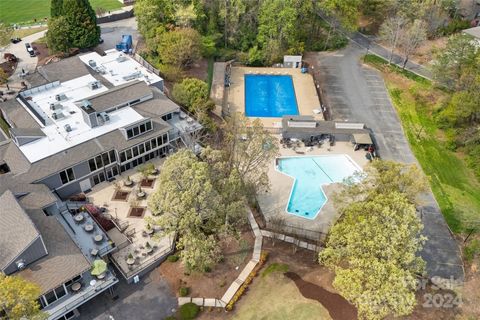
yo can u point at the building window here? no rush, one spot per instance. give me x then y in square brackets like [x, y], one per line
[122, 157]
[129, 154]
[135, 151]
[154, 143]
[92, 165]
[113, 157]
[167, 117]
[98, 162]
[106, 160]
[130, 133]
[141, 149]
[67, 175]
[147, 146]
[149, 125]
[142, 128]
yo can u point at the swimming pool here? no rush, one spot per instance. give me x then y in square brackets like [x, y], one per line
[310, 173]
[269, 96]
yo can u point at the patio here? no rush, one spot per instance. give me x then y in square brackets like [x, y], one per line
[139, 245]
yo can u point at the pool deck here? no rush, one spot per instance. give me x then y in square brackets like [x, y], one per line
[274, 202]
[305, 93]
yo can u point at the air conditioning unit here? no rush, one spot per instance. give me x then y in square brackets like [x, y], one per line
[67, 127]
[86, 104]
[92, 63]
[94, 85]
[60, 97]
[57, 115]
[55, 106]
[21, 264]
[105, 117]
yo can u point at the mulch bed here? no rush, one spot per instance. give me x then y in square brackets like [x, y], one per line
[9, 67]
[337, 306]
[120, 195]
[147, 183]
[137, 212]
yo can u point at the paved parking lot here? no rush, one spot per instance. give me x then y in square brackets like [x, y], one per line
[112, 32]
[357, 93]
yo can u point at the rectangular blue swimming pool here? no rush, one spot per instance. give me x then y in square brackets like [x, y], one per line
[269, 96]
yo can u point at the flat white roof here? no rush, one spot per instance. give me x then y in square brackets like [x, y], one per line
[57, 138]
[119, 68]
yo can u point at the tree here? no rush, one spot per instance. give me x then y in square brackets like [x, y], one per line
[185, 16]
[198, 205]
[56, 8]
[6, 32]
[18, 298]
[460, 55]
[191, 92]
[57, 35]
[82, 23]
[390, 32]
[151, 14]
[3, 76]
[410, 40]
[249, 148]
[180, 47]
[345, 11]
[373, 250]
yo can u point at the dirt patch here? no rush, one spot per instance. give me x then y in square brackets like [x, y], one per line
[120, 195]
[147, 183]
[212, 284]
[9, 67]
[137, 212]
[198, 70]
[43, 53]
[337, 306]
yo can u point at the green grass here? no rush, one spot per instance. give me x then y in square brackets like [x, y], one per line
[22, 33]
[471, 250]
[277, 297]
[4, 126]
[381, 64]
[454, 185]
[275, 267]
[25, 11]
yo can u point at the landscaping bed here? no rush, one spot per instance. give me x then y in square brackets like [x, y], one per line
[213, 284]
[137, 212]
[147, 183]
[120, 195]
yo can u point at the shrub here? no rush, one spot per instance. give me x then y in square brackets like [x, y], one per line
[454, 26]
[189, 311]
[191, 93]
[183, 291]
[172, 258]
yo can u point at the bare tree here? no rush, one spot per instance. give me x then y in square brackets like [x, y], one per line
[410, 40]
[276, 225]
[390, 32]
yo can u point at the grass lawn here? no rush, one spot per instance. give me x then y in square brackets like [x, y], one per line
[454, 185]
[276, 297]
[25, 11]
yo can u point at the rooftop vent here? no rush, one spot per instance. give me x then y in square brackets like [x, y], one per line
[121, 58]
[86, 104]
[20, 264]
[132, 76]
[61, 97]
[104, 116]
[67, 127]
[92, 63]
[57, 115]
[94, 85]
[55, 106]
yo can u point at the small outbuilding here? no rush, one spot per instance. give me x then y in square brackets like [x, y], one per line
[292, 61]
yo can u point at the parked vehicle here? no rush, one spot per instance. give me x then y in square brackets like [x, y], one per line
[30, 50]
[15, 40]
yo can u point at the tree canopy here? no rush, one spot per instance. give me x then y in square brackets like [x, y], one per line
[191, 93]
[18, 298]
[374, 246]
[82, 23]
[58, 39]
[56, 8]
[179, 47]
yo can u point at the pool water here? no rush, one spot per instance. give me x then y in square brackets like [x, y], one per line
[310, 173]
[269, 96]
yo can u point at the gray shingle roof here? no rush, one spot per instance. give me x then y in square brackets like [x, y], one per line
[64, 260]
[17, 231]
[63, 70]
[156, 107]
[17, 115]
[27, 132]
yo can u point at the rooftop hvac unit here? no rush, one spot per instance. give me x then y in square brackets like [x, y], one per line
[94, 85]
[92, 63]
[121, 58]
[20, 264]
[61, 97]
[67, 127]
[55, 106]
[105, 117]
[86, 104]
[57, 115]
[132, 76]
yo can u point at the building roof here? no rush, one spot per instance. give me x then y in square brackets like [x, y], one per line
[307, 125]
[362, 138]
[27, 132]
[64, 260]
[118, 95]
[475, 32]
[156, 107]
[17, 115]
[17, 232]
[63, 70]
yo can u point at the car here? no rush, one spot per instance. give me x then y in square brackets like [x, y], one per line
[15, 40]
[27, 45]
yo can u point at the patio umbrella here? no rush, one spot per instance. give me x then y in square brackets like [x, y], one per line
[99, 267]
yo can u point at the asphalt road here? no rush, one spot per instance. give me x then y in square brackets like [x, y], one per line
[357, 93]
[112, 32]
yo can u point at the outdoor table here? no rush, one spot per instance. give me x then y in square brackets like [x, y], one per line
[101, 276]
[78, 218]
[98, 238]
[130, 261]
[89, 227]
[93, 282]
[76, 286]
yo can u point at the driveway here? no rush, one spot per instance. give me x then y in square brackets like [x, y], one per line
[112, 32]
[357, 93]
[26, 62]
[150, 299]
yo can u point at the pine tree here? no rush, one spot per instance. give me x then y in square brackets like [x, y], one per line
[56, 8]
[82, 22]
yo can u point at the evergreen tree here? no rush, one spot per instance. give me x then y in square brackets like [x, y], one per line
[56, 8]
[82, 22]
[57, 35]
